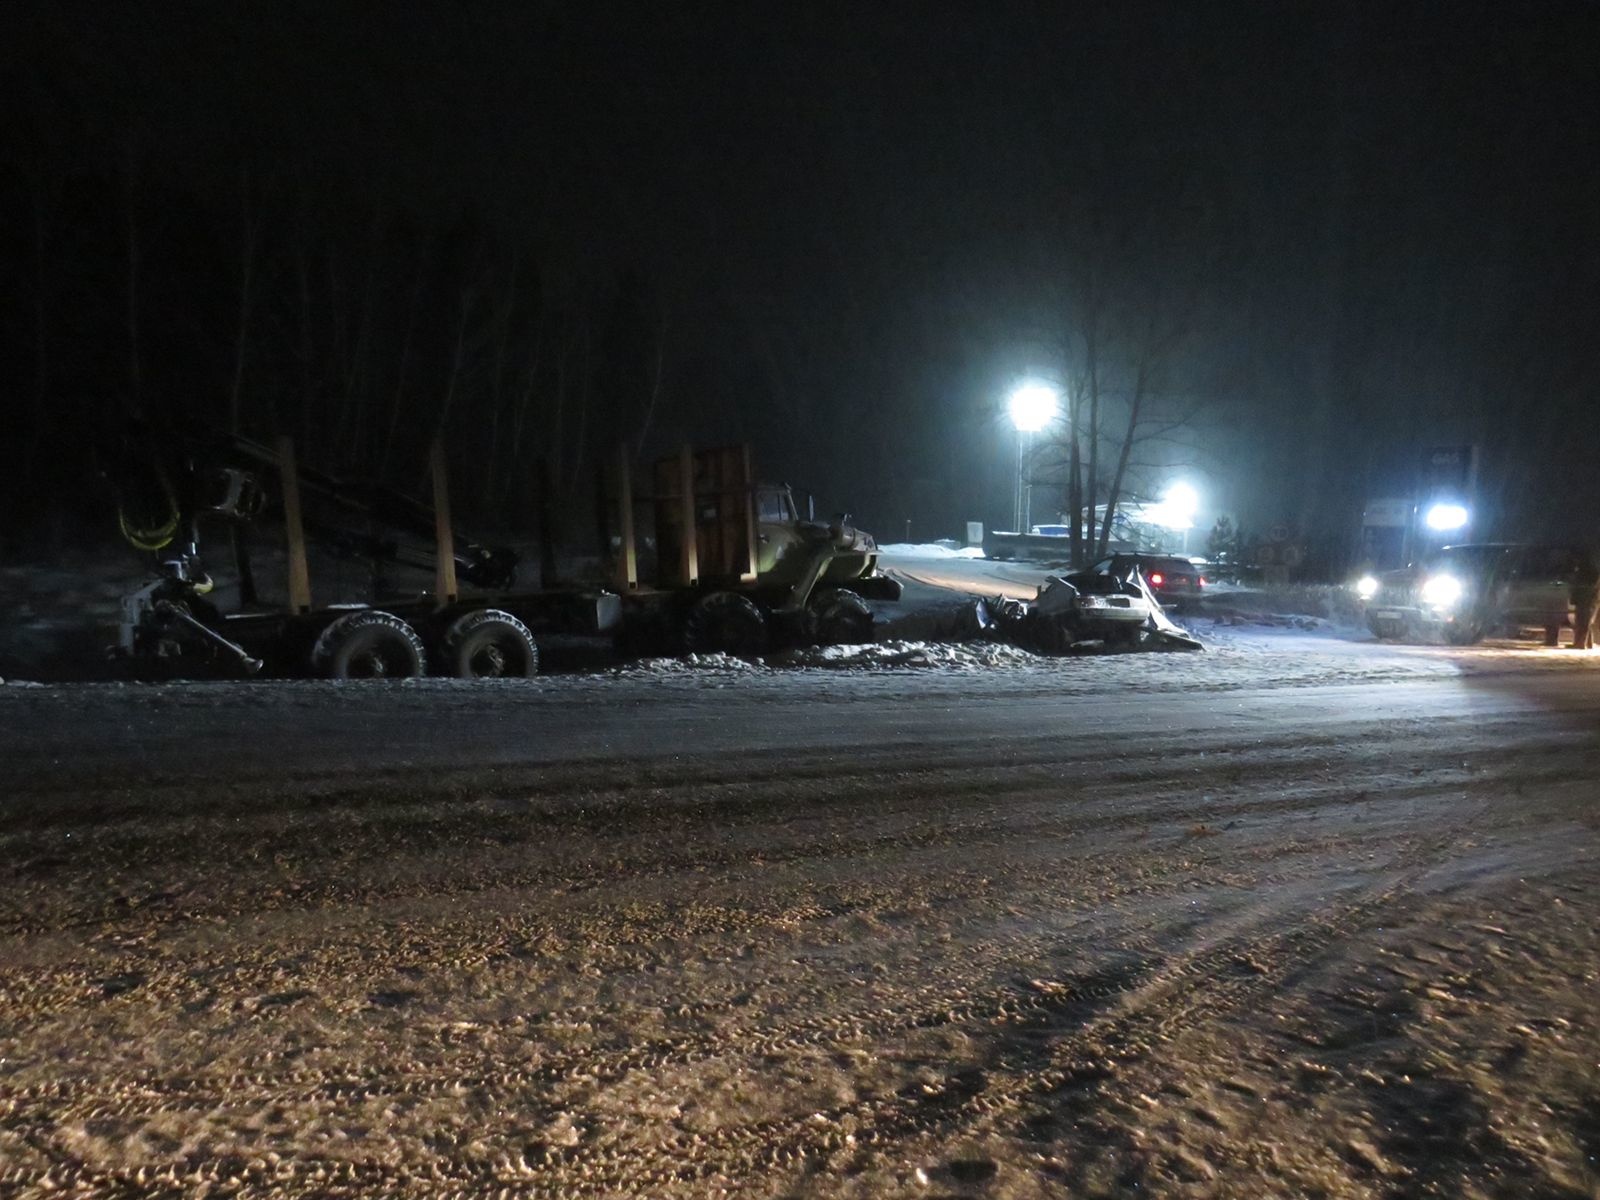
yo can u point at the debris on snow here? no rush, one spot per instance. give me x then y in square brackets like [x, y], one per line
[957, 655]
[690, 664]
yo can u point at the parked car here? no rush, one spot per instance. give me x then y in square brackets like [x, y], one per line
[1177, 582]
[1469, 592]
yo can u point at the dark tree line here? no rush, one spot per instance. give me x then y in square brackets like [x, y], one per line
[272, 307]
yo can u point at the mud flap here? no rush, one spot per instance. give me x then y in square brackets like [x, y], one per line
[876, 587]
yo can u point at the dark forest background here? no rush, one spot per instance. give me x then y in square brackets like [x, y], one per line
[1304, 240]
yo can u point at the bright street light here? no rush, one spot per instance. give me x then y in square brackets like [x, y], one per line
[1033, 406]
[1182, 501]
[1179, 504]
[1447, 517]
[1176, 509]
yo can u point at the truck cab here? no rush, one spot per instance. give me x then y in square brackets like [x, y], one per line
[1467, 592]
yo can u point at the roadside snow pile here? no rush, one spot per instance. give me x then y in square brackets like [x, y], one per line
[970, 656]
[929, 550]
[964, 656]
[1328, 603]
[1274, 620]
[690, 664]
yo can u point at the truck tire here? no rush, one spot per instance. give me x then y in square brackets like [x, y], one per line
[1464, 633]
[490, 644]
[369, 644]
[842, 618]
[725, 623]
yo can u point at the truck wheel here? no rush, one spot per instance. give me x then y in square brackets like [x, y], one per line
[490, 644]
[843, 618]
[368, 645]
[725, 623]
[1464, 633]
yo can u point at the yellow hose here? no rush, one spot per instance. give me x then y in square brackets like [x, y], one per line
[161, 536]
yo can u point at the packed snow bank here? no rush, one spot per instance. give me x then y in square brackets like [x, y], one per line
[929, 550]
[968, 656]
[956, 655]
[689, 664]
[1330, 603]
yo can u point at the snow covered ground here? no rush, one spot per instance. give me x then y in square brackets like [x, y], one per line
[1303, 915]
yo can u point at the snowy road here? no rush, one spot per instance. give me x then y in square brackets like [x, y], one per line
[1293, 917]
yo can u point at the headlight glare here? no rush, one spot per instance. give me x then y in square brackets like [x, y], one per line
[1367, 587]
[1441, 591]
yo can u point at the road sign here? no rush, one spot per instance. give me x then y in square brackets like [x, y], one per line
[1449, 469]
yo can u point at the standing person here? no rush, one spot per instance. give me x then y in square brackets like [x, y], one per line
[1585, 592]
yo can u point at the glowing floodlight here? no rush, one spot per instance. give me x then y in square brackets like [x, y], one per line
[1033, 406]
[1447, 517]
[1176, 508]
[1182, 500]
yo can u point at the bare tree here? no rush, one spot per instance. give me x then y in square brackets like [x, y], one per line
[41, 322]
[1123, 316]
[403, 367]
[248, 229]
[658, 361]
[134, 247]
[1141, 426]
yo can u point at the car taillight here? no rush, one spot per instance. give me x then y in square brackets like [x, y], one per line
[1201, 582]
[1157, 579]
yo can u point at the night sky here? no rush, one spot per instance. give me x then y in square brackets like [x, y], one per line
[1367, 227]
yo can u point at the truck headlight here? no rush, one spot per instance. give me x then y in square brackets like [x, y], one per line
[1367, 587]
[1442, 591]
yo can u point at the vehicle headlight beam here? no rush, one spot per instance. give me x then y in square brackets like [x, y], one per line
[1442, 591]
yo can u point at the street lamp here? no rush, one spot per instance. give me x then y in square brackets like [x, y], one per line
[1032, 406]
[1185, 502]
[1176, 510]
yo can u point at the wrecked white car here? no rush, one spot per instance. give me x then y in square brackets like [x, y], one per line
[1086, 612]
[1094, 605]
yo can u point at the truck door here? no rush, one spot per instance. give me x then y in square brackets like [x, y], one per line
[1541, 586]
